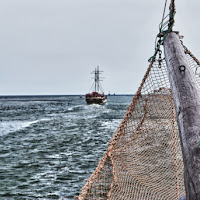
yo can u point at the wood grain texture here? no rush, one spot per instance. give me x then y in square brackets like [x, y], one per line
[187, 103]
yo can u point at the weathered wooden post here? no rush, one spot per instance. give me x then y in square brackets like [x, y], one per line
[187, 103]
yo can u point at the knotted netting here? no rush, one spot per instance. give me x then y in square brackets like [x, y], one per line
[144, 159]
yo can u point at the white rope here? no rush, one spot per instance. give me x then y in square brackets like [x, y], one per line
[163, 14]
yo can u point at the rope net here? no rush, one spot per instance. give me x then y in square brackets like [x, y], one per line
[144, 159]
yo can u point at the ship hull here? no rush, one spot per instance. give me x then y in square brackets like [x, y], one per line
[96, 100]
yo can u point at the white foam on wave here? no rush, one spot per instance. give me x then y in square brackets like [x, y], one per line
[111, 124]
[75, 107]
[13, 126]
[86, 107]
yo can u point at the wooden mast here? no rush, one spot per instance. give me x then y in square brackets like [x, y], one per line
[97, 80]
[187, 103]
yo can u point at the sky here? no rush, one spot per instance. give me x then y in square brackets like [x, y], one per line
[50, 47]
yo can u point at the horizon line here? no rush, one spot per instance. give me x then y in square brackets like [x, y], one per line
[24, 95]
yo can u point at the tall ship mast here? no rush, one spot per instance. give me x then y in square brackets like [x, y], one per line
[97, 96]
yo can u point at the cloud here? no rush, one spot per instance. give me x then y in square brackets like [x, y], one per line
[51, 46]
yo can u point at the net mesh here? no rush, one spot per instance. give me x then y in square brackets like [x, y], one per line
[144, 159]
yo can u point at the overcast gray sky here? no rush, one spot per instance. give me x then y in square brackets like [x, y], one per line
[51, 46]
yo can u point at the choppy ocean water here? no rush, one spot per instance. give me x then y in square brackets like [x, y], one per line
[50, 144]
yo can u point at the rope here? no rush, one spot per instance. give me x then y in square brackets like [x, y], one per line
[187, 51]
[164, 28]
[91, 88]
[172, 13]
[163, 14]
[101, 89]
[190, 53]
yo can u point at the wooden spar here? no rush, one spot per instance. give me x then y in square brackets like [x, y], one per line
[187, 103]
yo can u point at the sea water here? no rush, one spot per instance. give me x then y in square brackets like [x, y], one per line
[49, 145]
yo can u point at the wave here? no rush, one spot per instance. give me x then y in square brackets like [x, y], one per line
[8, 127]
[85, 107]
[76, 108]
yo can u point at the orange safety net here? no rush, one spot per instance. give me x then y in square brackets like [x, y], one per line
[144, 158]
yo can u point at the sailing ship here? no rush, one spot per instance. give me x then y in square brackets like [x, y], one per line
[97, 96]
